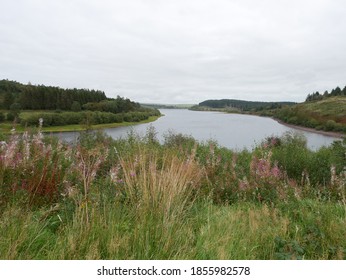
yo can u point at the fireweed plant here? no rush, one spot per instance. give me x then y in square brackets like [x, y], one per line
[137, 198]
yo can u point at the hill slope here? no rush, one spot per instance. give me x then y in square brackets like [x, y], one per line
[328, 114]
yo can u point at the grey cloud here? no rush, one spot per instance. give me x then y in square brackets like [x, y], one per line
[177, 51]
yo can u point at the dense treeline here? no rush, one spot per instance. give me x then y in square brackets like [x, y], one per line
[58, 106]
[242, 104]
[118, 105]
[334, 92]
[40, 97]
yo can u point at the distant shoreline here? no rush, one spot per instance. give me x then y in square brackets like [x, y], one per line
[309, 129]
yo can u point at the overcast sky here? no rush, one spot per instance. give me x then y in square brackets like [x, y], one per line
[177, 51]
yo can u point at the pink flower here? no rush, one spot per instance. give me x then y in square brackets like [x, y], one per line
[276, 172]
[243, 184]
[273, 141]
[114, 173]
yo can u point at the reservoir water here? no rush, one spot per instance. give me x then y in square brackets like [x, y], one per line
[233, 131]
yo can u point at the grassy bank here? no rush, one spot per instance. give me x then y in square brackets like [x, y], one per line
[138, 199]
[6, 127]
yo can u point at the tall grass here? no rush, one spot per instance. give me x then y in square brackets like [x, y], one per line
[159, 189]
[160, 182]
[205, 231]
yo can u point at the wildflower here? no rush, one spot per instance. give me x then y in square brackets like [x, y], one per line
[333, 177]
[11, 151]
[243, 184]
[276, 171]
[114, 172]
[26, 144]
[3, 145]
[40, 121]
[136, 162]
[211, 149]
[262, 168]
[273, 141]
[305, 178]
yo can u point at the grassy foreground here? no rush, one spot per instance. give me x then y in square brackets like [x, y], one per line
[138, 199]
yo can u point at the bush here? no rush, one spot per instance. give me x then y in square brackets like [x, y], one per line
[12, 116]
[67, 118]
[76, 107]
[32, 168]
[15, 107]
[330, 125]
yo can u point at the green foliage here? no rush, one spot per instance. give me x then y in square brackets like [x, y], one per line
[135, 198]
[68, 105]
[15, 107]
[12, 116]
[334, 92]
[118, 105]
[42, 97]
[306, 166]
[76, 107]
[323, 114]
[292, 155]
[84, 117]
[8, 100]
[50, 98]
[313, 232]
[288, 250]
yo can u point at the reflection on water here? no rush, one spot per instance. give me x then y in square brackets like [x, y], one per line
[233, 131]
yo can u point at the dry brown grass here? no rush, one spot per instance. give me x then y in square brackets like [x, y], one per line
[163, 183]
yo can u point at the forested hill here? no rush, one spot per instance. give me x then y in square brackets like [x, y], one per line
[240, 105]
[40, 97]
[316, 96]
[27, 104]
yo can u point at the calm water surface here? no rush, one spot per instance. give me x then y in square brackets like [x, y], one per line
[233, 131]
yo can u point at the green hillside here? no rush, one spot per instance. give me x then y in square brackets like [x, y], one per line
[328, 114]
